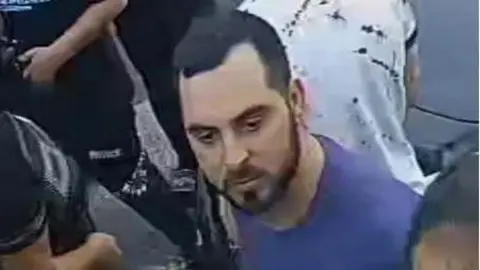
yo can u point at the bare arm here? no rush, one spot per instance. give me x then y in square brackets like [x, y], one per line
[93, 23]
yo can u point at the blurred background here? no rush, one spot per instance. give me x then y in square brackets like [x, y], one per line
[448, 32]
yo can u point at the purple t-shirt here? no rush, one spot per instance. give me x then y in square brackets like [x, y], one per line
[360, 220]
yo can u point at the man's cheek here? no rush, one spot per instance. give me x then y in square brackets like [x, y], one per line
[212, 172]
[204, 158]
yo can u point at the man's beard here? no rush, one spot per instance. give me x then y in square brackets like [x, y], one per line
[271, 188]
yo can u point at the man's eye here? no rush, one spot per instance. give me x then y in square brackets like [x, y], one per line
[252, 125]
[207, 137]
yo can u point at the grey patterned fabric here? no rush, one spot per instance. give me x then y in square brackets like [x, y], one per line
[48, 176]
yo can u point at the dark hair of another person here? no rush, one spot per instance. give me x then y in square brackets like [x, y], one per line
[451, 199]
[212, 38]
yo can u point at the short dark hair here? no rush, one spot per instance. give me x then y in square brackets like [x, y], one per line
[211, 38]
[451, 199]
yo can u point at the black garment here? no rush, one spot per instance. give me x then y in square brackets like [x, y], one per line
[89, 106]
[38, 185]
[89, 115]
[88, 112]
[150, 31]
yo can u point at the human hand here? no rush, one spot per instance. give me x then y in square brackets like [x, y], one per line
[99, 252]
[107, 254]
[43, 64]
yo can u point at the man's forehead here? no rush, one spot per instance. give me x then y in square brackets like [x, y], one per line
[226, 91]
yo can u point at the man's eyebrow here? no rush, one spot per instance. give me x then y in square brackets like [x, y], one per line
[255, 109]
[192, 128]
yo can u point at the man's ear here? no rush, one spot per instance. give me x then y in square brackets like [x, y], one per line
[297, 100]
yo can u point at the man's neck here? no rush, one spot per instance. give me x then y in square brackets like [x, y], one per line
[294, 207]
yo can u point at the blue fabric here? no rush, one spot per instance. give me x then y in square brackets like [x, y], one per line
[360, 220]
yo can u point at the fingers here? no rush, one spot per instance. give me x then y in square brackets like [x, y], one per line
[27, 72]
[102, 240]
[26, 57]
[28, 54]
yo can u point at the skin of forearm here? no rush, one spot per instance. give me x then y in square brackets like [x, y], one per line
[92, 24]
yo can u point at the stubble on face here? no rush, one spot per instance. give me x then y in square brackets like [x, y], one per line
[268, 188]
[215, 99]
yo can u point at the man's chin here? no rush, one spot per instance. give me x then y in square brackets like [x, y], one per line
[252, 201]
[255, 207]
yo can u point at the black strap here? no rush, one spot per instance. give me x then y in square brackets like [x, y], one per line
[217, 248]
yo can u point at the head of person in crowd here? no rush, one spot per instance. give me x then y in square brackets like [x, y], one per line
[243, 112]
[445, 232]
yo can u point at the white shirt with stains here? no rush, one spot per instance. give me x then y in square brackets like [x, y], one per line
[350, 56]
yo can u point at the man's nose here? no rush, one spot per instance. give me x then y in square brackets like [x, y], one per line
[234, 154]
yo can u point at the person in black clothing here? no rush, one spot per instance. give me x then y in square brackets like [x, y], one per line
[44, 209]
[41, 190]
[150, 31]
[76, 87]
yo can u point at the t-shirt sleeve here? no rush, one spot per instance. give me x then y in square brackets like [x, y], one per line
[22, 212]
[409, 24]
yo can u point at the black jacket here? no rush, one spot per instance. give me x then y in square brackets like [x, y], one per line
[150, 29]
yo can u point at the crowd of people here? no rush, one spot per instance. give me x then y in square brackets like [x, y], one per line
[286, 117]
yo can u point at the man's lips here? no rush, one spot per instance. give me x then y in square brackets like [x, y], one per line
[245, 183]
[246, 179]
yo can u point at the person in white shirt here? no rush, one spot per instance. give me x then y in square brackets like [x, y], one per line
[357, 60]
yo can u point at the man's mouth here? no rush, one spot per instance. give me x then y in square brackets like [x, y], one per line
[246, 179]
[246, 183]
[243, 180]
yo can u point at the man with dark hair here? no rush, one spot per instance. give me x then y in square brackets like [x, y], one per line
[218, 45]
[445, 232]
[150, 30]
[364, 74]
[301, 202]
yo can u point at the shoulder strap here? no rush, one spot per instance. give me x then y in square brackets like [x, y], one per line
[215, 243]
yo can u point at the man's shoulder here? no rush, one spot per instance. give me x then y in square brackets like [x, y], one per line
[382, 207]
[363, 183]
